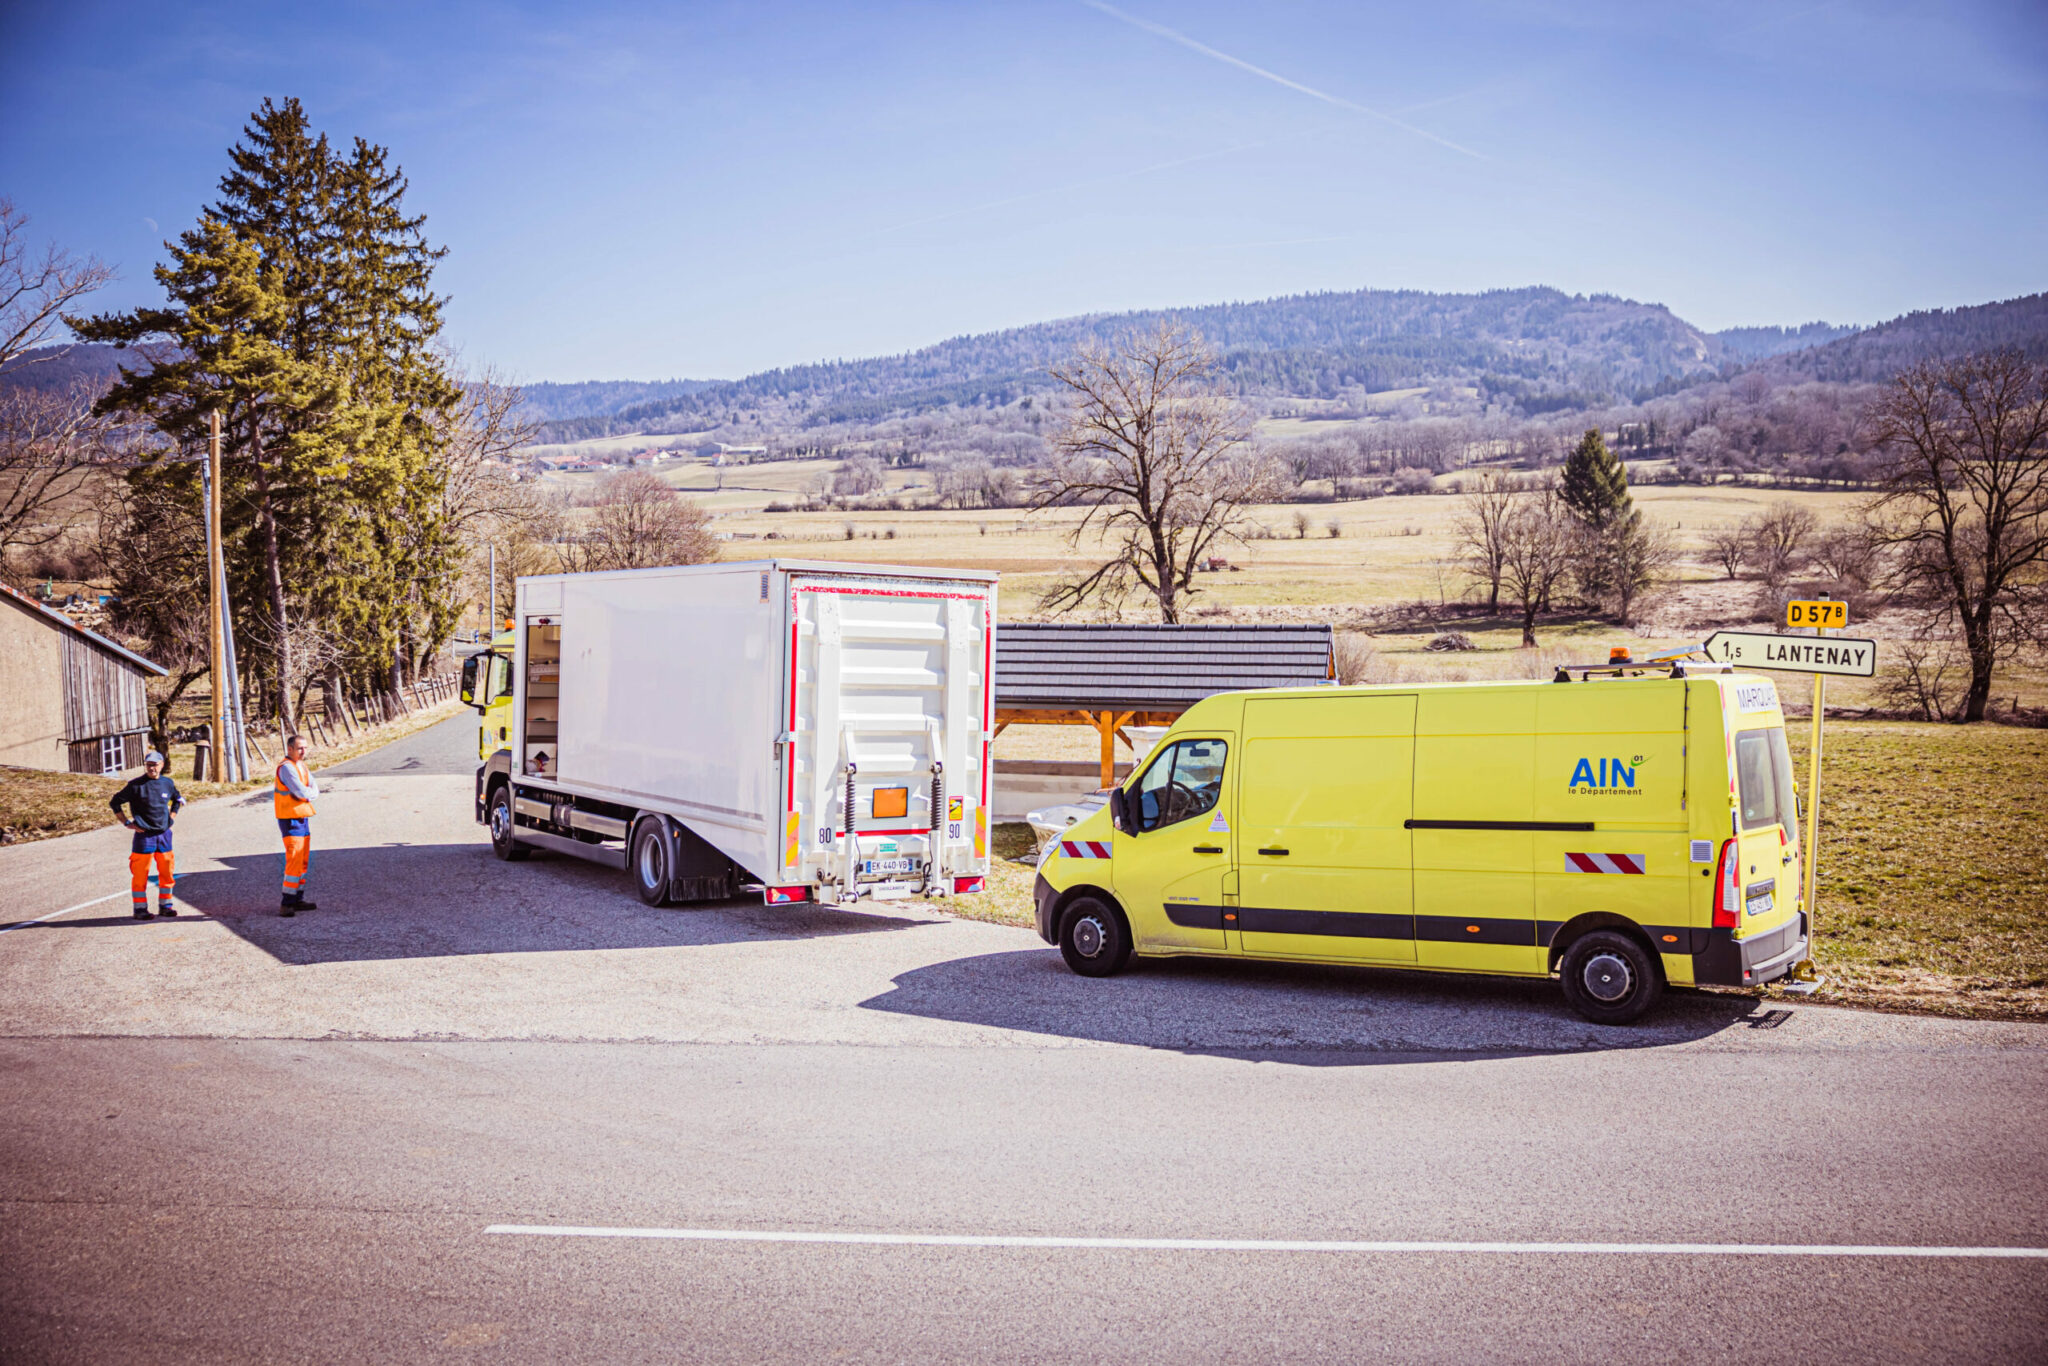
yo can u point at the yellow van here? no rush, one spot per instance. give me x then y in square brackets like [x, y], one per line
[1621, 831]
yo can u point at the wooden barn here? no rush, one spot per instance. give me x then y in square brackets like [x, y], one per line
[70, 699]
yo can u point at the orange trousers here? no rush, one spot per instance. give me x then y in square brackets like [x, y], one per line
[138, 879]
[298, 861]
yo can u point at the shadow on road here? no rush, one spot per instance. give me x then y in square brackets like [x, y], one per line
[1286, 1012]
[443, 900]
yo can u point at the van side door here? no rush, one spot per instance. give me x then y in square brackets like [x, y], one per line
[1325, 863]
[1475, 824]
[1171, 871]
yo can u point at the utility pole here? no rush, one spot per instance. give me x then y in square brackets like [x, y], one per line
[216, 647]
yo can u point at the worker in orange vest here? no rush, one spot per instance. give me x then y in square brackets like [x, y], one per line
[292, 798]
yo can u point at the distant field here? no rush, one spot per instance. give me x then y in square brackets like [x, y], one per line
[1387, 552]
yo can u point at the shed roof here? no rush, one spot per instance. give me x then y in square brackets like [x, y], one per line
[1151, 668]
[62, 622]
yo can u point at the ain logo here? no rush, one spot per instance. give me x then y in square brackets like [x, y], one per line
[1611, 776]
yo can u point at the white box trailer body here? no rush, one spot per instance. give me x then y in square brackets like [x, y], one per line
[746, 703]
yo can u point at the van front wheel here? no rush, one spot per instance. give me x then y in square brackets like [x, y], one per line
[1608, 977]
[1094, 939]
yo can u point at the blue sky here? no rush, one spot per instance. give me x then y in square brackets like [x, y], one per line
[647, 191]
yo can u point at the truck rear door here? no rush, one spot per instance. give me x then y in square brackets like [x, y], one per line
[888, 702]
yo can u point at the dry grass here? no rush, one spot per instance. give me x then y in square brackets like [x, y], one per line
[37, 805]
[1933, 869]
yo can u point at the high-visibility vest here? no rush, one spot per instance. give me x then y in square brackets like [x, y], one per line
[290, 808]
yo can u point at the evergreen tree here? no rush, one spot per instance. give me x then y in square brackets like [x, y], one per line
[1594, 488]
[300, 308]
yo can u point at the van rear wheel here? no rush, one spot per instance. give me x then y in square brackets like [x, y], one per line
[1094, 939]
[1608, 977]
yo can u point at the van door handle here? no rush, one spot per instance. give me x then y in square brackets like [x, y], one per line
[1208, 849]
[1278, 853]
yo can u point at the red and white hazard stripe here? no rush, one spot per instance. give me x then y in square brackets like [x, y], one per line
[1606, 863]
[1084, 848]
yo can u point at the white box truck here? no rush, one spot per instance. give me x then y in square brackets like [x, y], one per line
[816, 731]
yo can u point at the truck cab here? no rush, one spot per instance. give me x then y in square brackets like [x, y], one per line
[487, 686]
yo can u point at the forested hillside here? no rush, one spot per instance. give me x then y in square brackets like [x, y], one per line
[1877, 353]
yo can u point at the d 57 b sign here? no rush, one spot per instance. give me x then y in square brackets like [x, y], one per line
[1836, 655]
[1830, 614]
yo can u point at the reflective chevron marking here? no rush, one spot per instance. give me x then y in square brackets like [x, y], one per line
[1084, 848]
[1606, 863]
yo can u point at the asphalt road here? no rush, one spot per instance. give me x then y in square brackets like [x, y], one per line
[242, 1138]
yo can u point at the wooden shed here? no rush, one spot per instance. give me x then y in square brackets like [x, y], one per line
[1108, 677]
[70, 699]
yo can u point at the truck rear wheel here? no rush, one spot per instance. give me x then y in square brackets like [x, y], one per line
[1608, 977]
[650, 862]
[499, 815]
[1094, 939]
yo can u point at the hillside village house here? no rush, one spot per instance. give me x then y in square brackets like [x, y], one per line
[70, 699]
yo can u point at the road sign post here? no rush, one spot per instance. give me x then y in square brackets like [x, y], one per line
[1823, 656]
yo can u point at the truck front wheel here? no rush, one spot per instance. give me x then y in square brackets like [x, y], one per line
[499, 814]
[650, 862]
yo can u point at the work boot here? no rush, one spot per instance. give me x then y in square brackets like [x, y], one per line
[142, 912]
[166, 909]
[287, 906]
[306, 905]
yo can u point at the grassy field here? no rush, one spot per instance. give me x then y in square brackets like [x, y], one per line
[1933, 874]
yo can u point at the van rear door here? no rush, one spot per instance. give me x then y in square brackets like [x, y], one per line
[1326, 791]
[1768, 840]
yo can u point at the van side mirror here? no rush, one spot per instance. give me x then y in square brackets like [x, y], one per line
[469, 672]
[1120, 811]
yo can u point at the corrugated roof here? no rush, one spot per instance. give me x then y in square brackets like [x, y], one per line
[1151, 668]
[28, 603]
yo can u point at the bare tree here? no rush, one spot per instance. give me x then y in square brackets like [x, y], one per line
[1777, 542]
[36, 287]
[50, 443]
[858, 476]
[1728, 546]
[49, 438]
[1845, 553]
[1963, 496]
[1158, 459]
[1638, 553]
[1483, 529]
[638, 522]
[1536, 553]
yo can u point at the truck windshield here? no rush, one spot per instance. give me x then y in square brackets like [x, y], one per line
[1763, 773]
[1184, 780]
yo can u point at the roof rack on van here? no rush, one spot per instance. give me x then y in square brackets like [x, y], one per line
[1684, 660]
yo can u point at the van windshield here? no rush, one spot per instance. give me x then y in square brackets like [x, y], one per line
[1763, 774]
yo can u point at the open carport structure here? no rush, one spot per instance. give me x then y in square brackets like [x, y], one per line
[1108, 677]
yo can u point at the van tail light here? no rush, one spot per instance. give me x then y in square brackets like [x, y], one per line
[1728, 888]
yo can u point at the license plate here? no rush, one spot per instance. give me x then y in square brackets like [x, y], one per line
[888, 865]
[1758, 905]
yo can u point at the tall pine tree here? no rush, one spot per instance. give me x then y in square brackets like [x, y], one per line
[300, 307]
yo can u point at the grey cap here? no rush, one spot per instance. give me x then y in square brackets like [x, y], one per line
[152, 758]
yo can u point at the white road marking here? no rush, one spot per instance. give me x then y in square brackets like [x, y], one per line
[730, 1235]
[24, 924]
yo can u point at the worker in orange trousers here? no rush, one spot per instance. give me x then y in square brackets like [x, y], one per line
[292, 799]
[147, 805]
